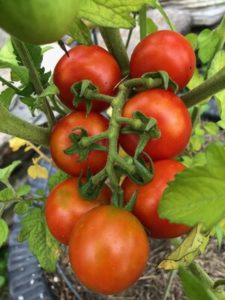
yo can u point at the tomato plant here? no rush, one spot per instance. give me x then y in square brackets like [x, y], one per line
[64, 206]
[148, 197]
[87, 63]
[27, 20]
[103, 249]
[173, 120]
[59, 142]
[164, 50]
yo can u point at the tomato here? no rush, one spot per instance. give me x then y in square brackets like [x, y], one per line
[173, 120]
[164, 50]
[108, 249]
[91, 63]
[38, 21]
[148, 197]
[64, 206]
[59, 141]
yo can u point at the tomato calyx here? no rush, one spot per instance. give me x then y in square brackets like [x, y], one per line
[82, 144]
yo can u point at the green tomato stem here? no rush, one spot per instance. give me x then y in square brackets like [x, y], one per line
[134, 123]
[205, 90]
[34, 77]
[87, 141]
[115, 45]
[143, 21]
[200, 273]
[92, 95]
[17, 127]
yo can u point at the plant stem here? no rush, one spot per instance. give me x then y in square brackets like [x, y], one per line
[86, 141]
[143, 21]
[15, 126]
[34, 77]
[200, 273]
[115, 45]
[134, 123]
[92, 95]
[207, 89]
[38, 151]
[9, 84]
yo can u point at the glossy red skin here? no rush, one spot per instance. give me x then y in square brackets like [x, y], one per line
[94, 124]
[108, 250]
[64, 206]
[173, 120]
[164, 50]
[149, 196]
[91, 63]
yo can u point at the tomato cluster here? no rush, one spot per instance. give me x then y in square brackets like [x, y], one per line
[103, 239]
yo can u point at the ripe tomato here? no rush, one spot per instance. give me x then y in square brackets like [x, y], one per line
[173, 120]
[148, 197]
[86, 62]
[38, 21]
[108, 249]
[59, 141]
[164, 50]
[64, 206]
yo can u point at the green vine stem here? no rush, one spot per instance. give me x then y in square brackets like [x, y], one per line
[115, 45]
[200, 273]
[207, 89]
[9, 85]
[34, 77]
[13, 125]
[143, 21]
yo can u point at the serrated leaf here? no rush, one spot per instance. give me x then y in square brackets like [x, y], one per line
[56, 178]
[4, 231]
[40, 241]
[6, 97]
[23, 190]
[36, 171]
[194, 288]
[21, 208]
[113, 13]
[193, 40]
[6, 172]
[7, 195]
[193, 245]
[197, 192]
[80, 32]
[49, 91]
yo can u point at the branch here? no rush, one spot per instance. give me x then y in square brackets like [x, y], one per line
[210, 87]
[115, 45]
[15, 126]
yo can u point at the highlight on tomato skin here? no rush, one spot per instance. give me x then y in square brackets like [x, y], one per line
[173, 121]
[86, 63]
[164, 50]
[64, 206]
[93, 123]
[108, 250]
[149, 196]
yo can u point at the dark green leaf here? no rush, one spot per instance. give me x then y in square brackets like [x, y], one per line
[7, 194]
[21, 208]
[4, 231]
[6, 97]
[6, 172]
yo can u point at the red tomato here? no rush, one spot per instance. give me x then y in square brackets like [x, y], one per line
[64, 206]
[148, 197]
[164, 50]
[108, 249]
[91, 63]
[59, 141]
[173, 120]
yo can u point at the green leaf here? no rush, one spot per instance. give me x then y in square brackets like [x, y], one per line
[208, 41]
[196, 80]
[193, 245]
[6, 172]
[8, 60]
[2, 281]
[196, 142]
[211, 128]
[49, 91]
[7, 195]
[56, 178]
[40, 241]
[23, 190]
[151, 26]
[21, 208]
[197, 192]
[111, 13]
[6, 97]
[194, 288]
[219, 234]
[80, 32]
[4, 231]
[193, 40]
